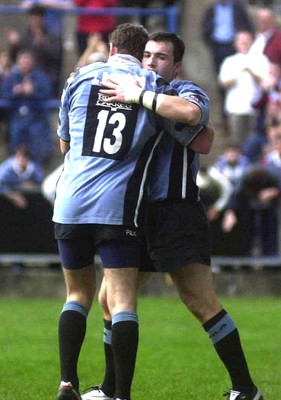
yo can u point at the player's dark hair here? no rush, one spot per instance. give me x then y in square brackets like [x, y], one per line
[168, 37]
[129, 39]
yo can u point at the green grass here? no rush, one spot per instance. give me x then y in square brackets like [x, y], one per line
[175, 360]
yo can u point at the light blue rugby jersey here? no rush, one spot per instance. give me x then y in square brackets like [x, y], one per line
[174, 167]
[110, 146]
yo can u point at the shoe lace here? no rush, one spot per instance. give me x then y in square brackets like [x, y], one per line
[97, 387]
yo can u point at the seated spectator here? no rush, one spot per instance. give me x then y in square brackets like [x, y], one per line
[241, 75]
[45, 46]
[27, 88]
[232, 163]
[19, 174]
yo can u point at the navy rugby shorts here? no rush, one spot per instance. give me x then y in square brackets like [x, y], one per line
[117, 246]
[177, 235]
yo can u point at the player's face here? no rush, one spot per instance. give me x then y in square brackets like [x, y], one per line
[159, 57]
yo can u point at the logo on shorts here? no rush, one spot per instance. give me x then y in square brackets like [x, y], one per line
[129, 232]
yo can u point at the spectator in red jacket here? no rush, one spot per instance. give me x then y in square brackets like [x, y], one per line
[268, 36]
[89, 24]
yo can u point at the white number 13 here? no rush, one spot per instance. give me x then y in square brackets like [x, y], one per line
[108, 147]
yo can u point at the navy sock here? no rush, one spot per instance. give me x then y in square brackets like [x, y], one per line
[125, 334]
[225, 337]
[108, 385]
[72, 329]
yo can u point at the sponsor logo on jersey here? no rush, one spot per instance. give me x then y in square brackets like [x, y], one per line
[113, 106]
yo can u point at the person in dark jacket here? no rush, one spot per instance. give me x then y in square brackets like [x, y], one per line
[27, 88]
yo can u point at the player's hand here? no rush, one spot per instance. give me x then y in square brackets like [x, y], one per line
[229, 221]
[125, 89]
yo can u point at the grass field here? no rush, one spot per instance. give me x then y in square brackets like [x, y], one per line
[175, 361]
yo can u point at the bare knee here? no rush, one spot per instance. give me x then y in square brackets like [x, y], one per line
[80, 285]
[195, 287]
[201, 306]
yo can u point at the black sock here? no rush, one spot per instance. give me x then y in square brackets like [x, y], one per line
[225, 337]
[125, 334]
[72, 329]
[108, 385]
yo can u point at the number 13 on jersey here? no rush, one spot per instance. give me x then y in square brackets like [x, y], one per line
[109, 127]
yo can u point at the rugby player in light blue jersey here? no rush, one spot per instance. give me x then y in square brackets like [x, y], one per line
[177, 229]
[107, 150]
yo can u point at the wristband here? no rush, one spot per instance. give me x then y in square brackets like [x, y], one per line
[150, 100]
[132, 94]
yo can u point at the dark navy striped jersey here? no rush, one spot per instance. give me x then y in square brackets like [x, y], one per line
[111, 145]
[174, 167]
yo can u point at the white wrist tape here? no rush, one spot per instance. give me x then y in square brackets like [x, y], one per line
[132, 94]
[150, 100]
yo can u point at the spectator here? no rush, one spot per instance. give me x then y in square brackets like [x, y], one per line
[268, 37]
[215, 192]
[272, 87]
[19, 174]
[268, 114]
[144, 4]
[27, 88]
[45, 45]
[241, 75]
[5, 68]
[232, 164]
[221, 20]
[5, 63]
[53, 13]
[273, 158]
[89, 24]
[254, 208]
[96, 50]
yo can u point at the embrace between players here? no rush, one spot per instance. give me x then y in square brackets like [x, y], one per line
[128, 193]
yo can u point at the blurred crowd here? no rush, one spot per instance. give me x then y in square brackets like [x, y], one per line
[246, 53]
[241, 191]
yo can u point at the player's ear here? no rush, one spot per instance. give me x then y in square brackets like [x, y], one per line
[112, 49]
[178, 68]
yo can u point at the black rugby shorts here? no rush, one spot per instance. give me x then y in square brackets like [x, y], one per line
[177, 235]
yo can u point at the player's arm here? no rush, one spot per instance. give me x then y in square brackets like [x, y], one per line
[171, 107]
[64, 146]
[202, 143]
